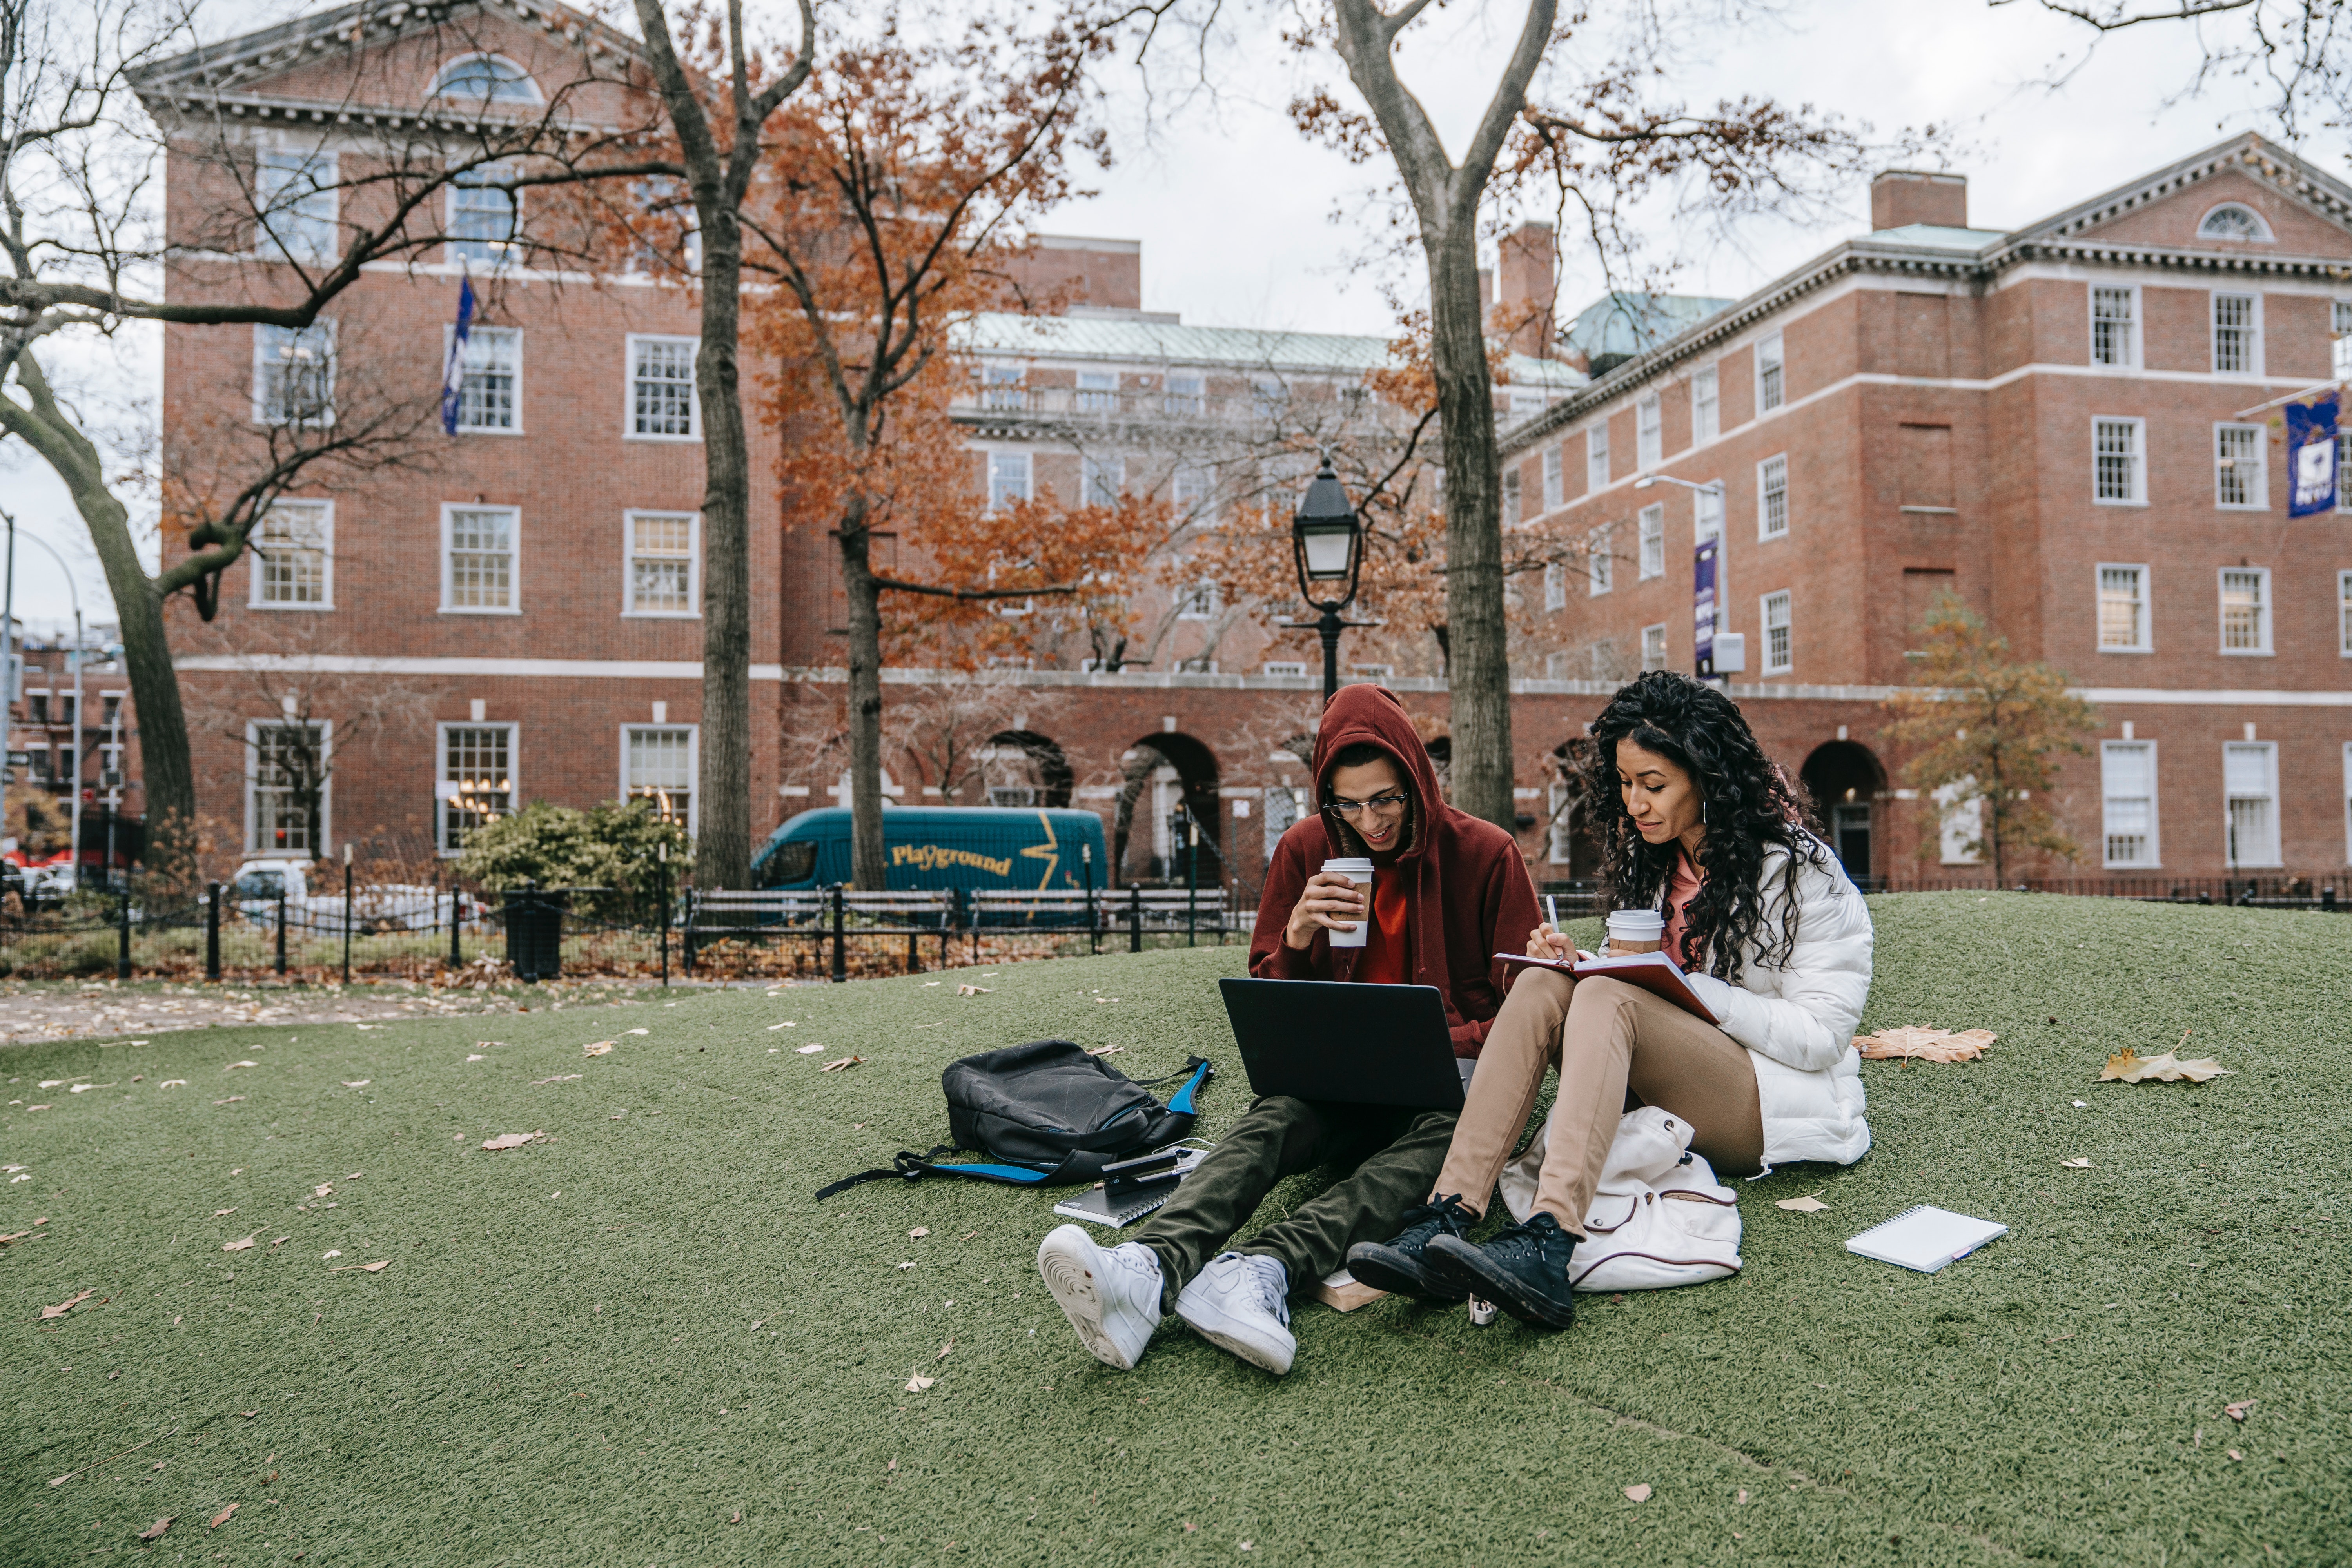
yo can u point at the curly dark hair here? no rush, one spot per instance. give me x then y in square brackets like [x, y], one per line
[1750, 807]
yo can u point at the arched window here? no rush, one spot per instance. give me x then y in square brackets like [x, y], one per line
[2231, 221]
[491, 77]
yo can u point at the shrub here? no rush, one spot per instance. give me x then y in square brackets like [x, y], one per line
[608, 847]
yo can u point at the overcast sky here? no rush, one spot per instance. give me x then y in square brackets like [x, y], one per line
[1235, 210]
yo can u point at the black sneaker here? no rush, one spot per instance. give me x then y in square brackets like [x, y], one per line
[1397, 1265]
[1522, 1269]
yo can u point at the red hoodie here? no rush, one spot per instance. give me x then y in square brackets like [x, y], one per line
[1466, 889]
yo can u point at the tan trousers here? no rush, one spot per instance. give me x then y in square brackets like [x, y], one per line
[1617, 1048]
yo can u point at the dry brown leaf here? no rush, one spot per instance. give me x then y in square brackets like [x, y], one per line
[323, 1190]
[2126, 1067]
[806, 1050]
[920, 1230]
[917, 1384]
[1926, 1045]
[974, 990]
[1808, 1204]
[222, 1517]
[237, 1246]
[2237, 1456]
[511, 1140]
[1105, 1050]
[155, 1531]
[355, 1082]
[20, 1236]
[559, 1077]
[636, 1031]
[232, 1099]
[68, 1305]
[234, 1066]
[602, 1047]
[843, 1062]
[173, 1083]
[945, 1348]
[222, 1213]
[1742, 1498]
[1638, 1492]
[2076, 1164]
[362, 1268]
[2238, 1412]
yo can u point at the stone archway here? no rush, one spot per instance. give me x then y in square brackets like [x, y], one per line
[1027, 769]
[1844, 779]
[1166, 772]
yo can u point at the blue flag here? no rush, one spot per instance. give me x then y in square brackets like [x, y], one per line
[1703, 605]
[2311, 456]
[453, 374]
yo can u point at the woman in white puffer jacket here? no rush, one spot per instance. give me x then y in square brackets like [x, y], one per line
[1697, 823]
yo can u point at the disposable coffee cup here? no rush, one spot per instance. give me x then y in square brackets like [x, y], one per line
[1359, 870]
[1635, 931]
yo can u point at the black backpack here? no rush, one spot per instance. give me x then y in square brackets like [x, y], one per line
[1046, 1114]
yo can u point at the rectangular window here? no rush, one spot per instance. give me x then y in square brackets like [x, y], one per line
[1511, 498]
[1008, 479]
[1769, 372]
[1649, 433]
[1555, 479]
[294, 375]
[2114, 327]
[294, 201]
[477, 560]
[482, 224]
[1003, 386]
[1706, 407]
[1653, 646]
[2340, 319]
[1599, 566]
[658, 764]
[663, 553]
[1959, 824]
[1185, 395]
[1554, 586]
[661, 389]
[293, 551]
[1596, 457]
[2246, 610]
[1097, 392]
[487, 398]
[1653, 523]
[2117, 472]
[1202, 601]
[1187, 485]
[286, 788]
[477, 782]
[2240, 473]
[2123, 609]
[1772, 497]
[2250, 781]
[1268, 396]
[1706, 515]
[2347, 801]
[2237, 335]
[1780, 651]
[1561, 848]
[2343, 456]
[2128, 785]
[2343, 614]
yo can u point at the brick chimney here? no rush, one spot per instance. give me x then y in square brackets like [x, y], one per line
[1522, 310]
[1901, 196]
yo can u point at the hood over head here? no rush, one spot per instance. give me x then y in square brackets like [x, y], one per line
[1365, 713]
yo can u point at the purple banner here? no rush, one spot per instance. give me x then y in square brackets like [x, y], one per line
[1703, 605]
[2311, 457]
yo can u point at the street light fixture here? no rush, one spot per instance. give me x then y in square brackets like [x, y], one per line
[1712, 487]
[1326, 541]
[1721, 653]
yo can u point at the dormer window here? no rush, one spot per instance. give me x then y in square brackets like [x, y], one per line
[2231, 221]
[492, 78]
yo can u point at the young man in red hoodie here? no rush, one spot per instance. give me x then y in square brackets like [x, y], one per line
[1449, 892]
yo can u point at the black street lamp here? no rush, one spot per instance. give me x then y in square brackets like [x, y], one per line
[1327, 537]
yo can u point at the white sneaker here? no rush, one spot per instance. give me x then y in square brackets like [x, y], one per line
[1111, 1298]
[1241, 1302]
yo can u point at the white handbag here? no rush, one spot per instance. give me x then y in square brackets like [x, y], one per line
[1658, 1218]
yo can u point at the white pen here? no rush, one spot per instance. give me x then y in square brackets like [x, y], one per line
[1551, 910]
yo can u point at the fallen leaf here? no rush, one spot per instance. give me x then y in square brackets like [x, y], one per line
[83, 1088]
[1638, 1492]
[2238, 1412]
[2125, 1067]
[323, 1190]
[486, 1044]
[338, 1252]
[906, 1265]
[53, 1083]
[920, 1230]
[918, 1383]
[53, 1108]
[234, 1066]
[173, 1083]
[738, 1518]
[636, 1031]
[68, 1305]
[806, 1050]
[559, 1077]
[511, 1140]
[222, 1517]
[219, 1214]
[1105, 1050]
[155, 1531]
[947, 1347]
[20, 1236]
[356, 1082]
[279, 1242]
[1742, 1498]
[974, 990]
[601, 1049]
[1806, 1205]
[362, 1268]
[2235, 1455]
[843, 1062]
[232, 1099]
[2076, 1164]
[477, 1057]
[1925, 1045]
[237, 1246]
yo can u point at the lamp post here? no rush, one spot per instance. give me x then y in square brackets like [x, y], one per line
[1717, 655]
[1327, 540]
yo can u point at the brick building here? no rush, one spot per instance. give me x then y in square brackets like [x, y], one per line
[2067, 425]
[94, 750]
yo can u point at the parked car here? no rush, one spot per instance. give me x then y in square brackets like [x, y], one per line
[378, 906]
[934, 848]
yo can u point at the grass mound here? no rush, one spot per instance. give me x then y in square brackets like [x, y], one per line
[614, 1342]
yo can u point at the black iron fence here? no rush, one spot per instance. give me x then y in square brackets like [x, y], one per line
[2266, 890]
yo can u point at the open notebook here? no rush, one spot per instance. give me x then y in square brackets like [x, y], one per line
[1654, 972]
[1925, 1238]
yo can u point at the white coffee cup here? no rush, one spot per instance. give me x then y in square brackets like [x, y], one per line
[1358, 870]
[1635, 931]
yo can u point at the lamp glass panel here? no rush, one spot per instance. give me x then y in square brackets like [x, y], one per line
[1328, 551]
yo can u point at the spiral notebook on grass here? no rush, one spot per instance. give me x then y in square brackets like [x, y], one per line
[1925, 1238]
[1132, 1188]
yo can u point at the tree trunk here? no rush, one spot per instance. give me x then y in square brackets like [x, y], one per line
[722, 857]
[868, 865]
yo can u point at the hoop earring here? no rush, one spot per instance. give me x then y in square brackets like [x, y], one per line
[1702, 813]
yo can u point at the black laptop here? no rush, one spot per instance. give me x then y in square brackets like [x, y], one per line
[1329, 1039]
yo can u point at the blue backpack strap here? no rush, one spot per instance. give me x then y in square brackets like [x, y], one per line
[912, 1166]
[1180, 1102]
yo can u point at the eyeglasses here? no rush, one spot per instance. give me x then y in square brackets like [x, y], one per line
[1383, 803]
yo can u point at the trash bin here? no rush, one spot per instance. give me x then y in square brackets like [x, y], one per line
[534, 921]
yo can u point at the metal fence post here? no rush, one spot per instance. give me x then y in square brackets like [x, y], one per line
[282, 927]
[661, 911]
[456, 924]
[840, 968]
[1087, 860]
[686, 936]
[122, 931]
[212, 930]
[1191, 880]
[347, 912]
[1135, 917]
[954, 912]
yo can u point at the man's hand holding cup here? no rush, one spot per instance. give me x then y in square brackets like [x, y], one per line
[1332, 900]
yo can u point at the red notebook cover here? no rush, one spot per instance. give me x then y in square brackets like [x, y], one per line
[1653, 972]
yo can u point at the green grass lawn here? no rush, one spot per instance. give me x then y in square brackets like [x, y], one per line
[681, 1338]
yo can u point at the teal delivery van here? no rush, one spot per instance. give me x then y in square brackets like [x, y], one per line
[934, 848]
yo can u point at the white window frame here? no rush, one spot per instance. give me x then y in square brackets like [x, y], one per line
[1767, 471]
[274, 171]
[441, 779]
[513, 607]
[2153, 858]
[693, 767]
[255, 849]
[1554, 586]
[2137, 457]
[1707, 405]
[629, 378]
[265, 340]
[2262, 235]
[2142, 576]
[1555, 476]
[325, 510]
[1649, 433]
[1514, 510]
[1771, 374]
[2262, 575]
[1706, 521]
[629, 608]
[2258, 493]
[1186, 392]
[521, 79]
[493, 253]
[1653, 646]
[1101, 480]
[1600, 567]
[1201, 601]
[512, 337]
[1094, 391]
[2339, 351]
[1958, 824]
[1786, 660]
[2130, 346]
[1028, 480]
[2267, 856]
[2253, 329]
[1560, 849]
[2343, 614]
[1651, 526]
[1596, 457]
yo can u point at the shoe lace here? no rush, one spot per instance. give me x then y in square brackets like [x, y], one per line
[1445, 1214]
[1267, 1278]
